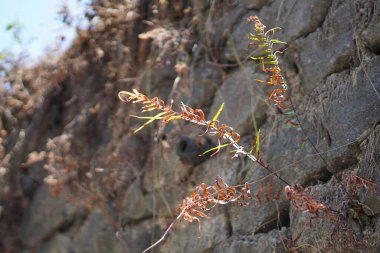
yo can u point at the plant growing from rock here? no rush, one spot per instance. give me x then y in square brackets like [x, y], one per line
[205, 197]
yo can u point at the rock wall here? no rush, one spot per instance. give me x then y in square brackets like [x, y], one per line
[79, 180]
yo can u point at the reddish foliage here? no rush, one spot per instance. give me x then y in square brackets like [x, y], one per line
[204, 198]
[302, 200]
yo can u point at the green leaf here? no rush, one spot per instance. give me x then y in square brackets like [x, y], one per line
[277, 42]
[271, 56]
[157, 117]
[257, 142]
[215, 148]
[264, 52]
[270, 62]
[256, 147]
[217, 115]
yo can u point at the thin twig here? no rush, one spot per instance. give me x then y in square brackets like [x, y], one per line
[166, 232]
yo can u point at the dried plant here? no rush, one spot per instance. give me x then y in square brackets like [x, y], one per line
[302, 200]
[204, 198]
[353, 183]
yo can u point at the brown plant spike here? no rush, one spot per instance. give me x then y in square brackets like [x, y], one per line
[204, 198]
[196, 116]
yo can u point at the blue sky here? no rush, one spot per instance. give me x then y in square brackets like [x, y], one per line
[39, 23]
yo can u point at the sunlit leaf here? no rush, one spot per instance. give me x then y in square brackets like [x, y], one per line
[270, 62]
[267, 51]
[256, 146]
[215, 118]
[271, 56]
[215, 148]
[263, 45]
[257, 141]
[277, 42]
[157, 117]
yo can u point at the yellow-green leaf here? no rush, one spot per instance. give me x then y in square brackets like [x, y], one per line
[257, 142]
[270, 62]
[271, 56]
[214, 119]
[157, 117]
[277, 42]
[215, 148]
[264, 52]
[256, 147]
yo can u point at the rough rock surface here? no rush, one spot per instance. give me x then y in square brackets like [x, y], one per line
[113, 190]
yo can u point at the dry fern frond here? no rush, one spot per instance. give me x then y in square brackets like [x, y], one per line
[267, 58]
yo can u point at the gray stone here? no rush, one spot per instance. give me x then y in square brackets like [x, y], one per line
[263, 215]
[136, 238]
[326, 232]
[159, 78]
[189, 150]
[48, 215]
[245, 101]
[372, 235]
[369, 23]
[329, 49]
[204, 79]
[253, 4]
[132, 151]
[95, 236]
[371, 37]
[218, 31]
[188, 238]
[133, 203]
[296, 18]
[273, 241]
[371, 204]
[348, 99]
[288, 151]
[238, 45]
[168, 168]
[58, 244]
[222, 165]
